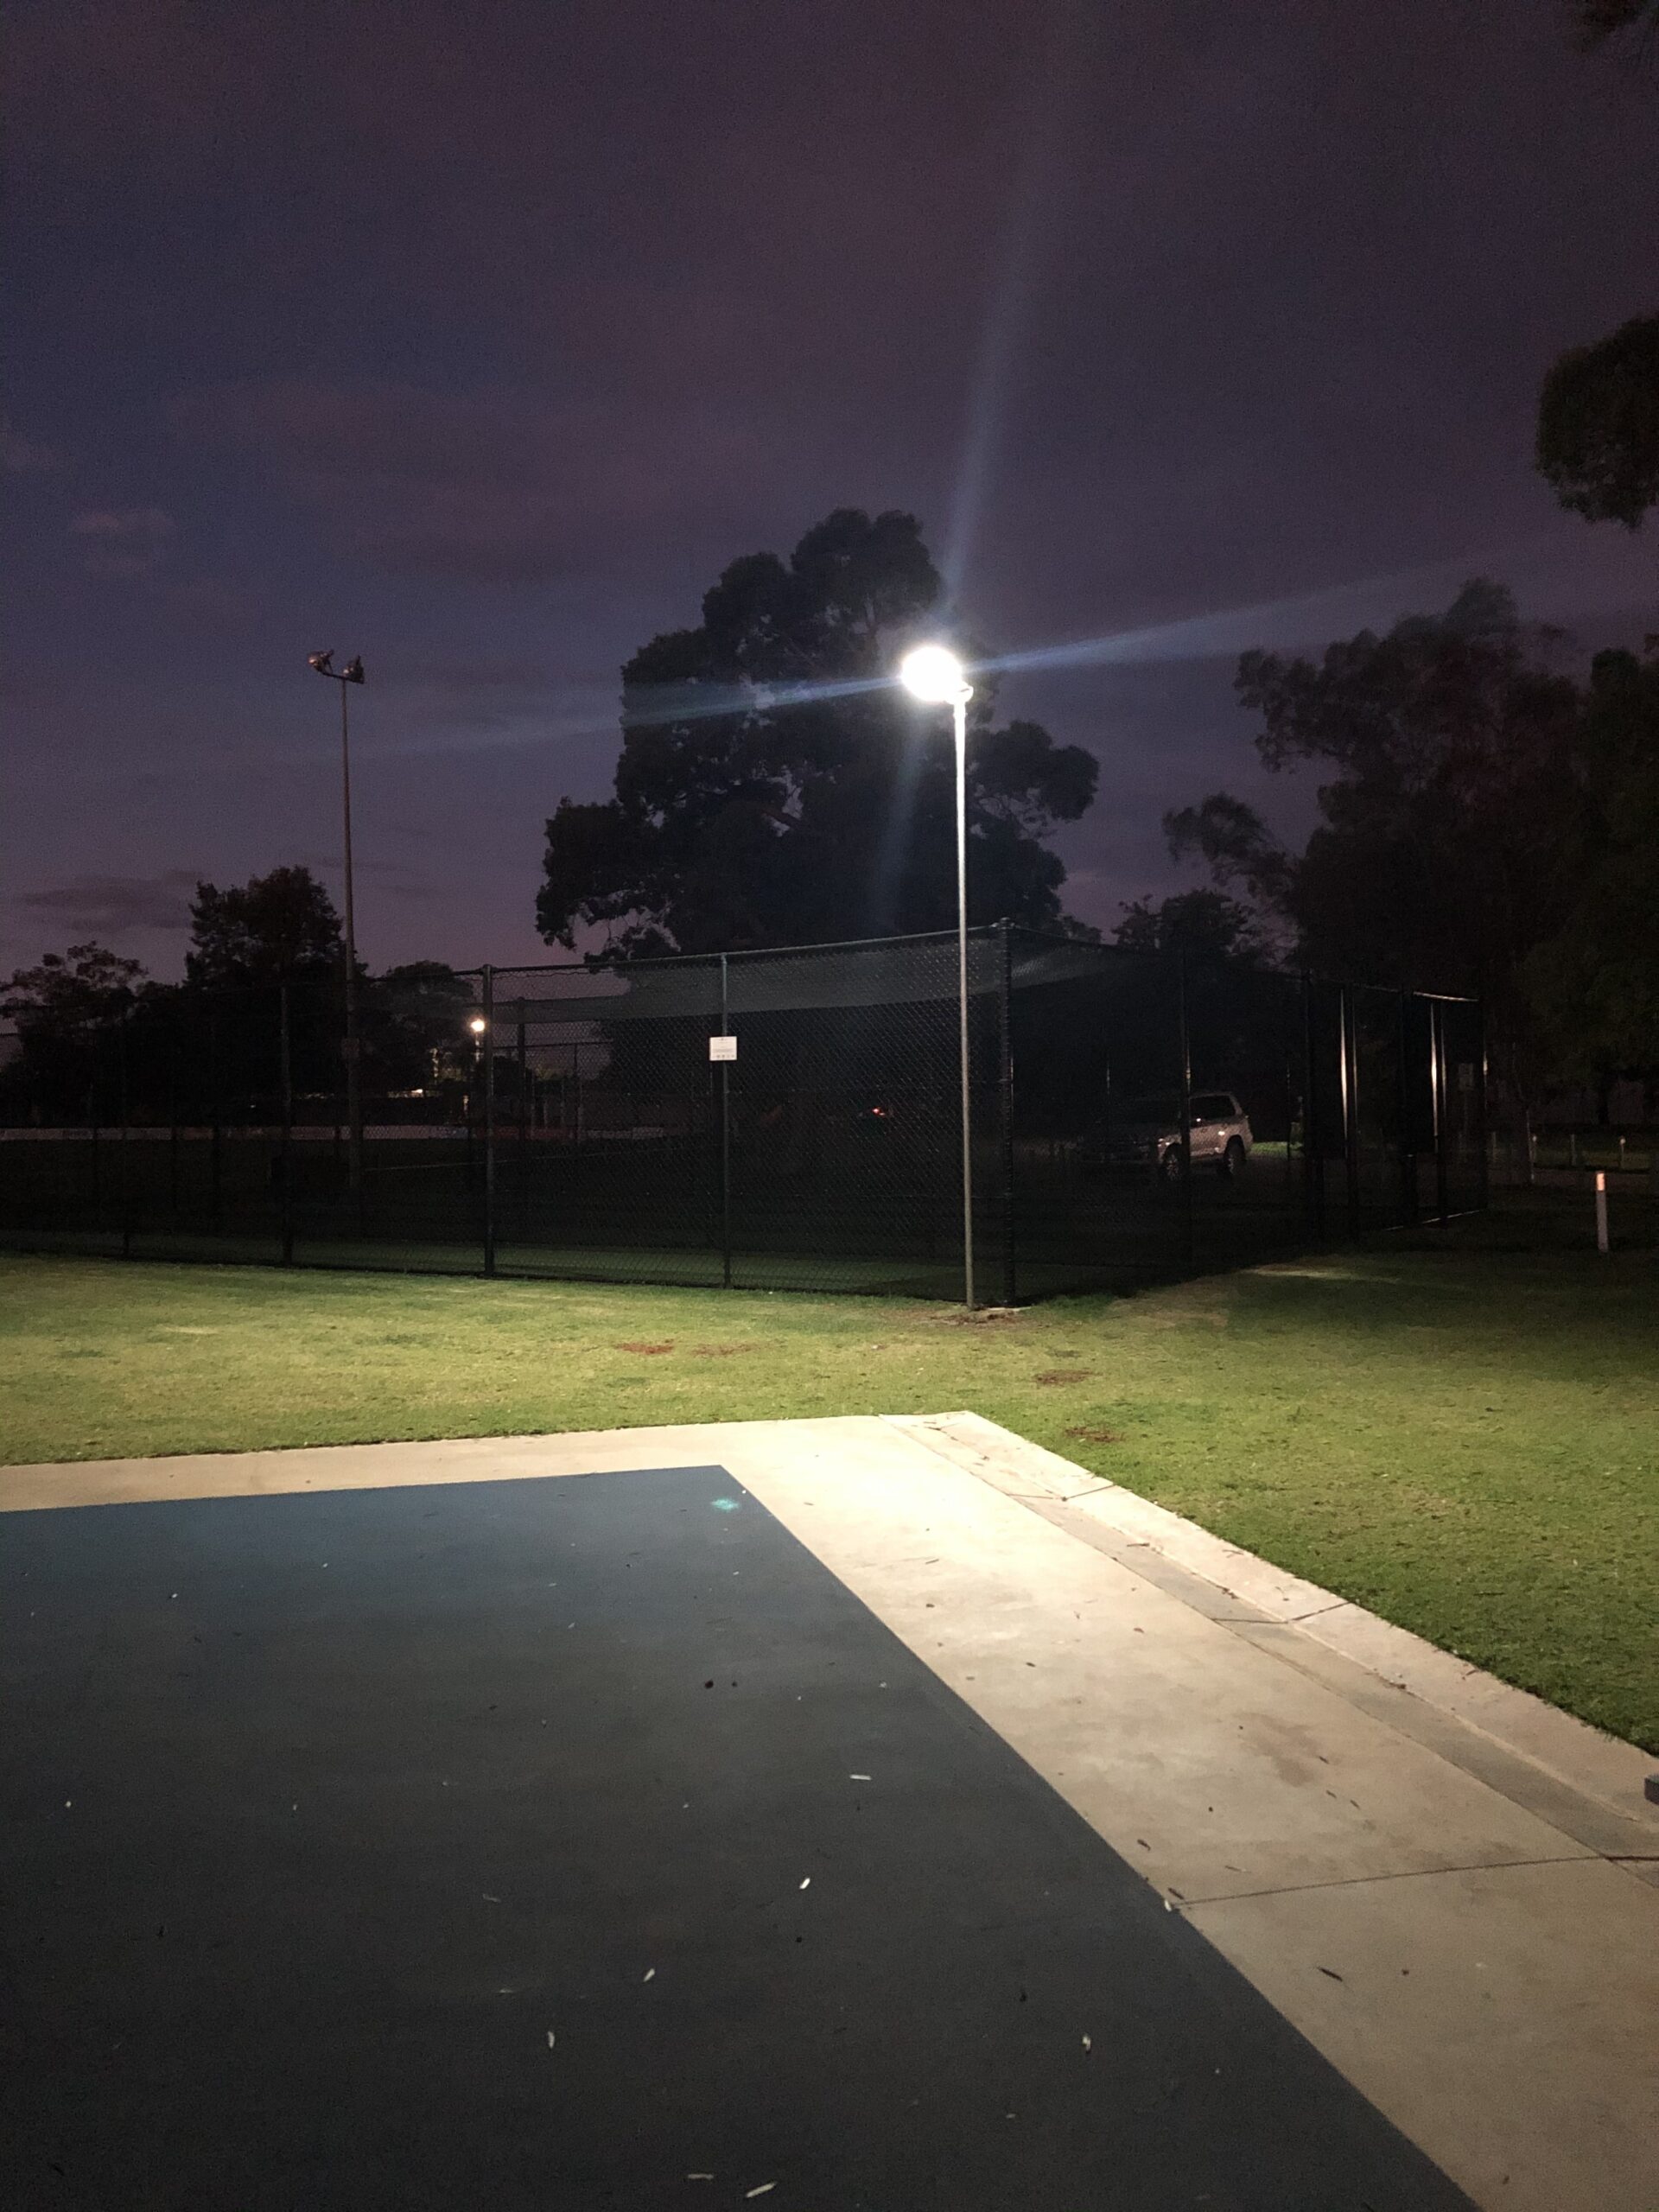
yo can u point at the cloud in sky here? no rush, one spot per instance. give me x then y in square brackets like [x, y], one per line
[113, 903]
[494, 485]
[124, 541]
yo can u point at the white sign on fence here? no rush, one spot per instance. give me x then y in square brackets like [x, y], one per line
[723, 1048]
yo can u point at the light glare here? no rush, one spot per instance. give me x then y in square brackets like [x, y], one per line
[934, 674]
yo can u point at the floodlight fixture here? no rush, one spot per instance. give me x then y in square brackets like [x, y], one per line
[934, 674]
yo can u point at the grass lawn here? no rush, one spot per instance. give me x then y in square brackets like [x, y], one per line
[1463, 1435]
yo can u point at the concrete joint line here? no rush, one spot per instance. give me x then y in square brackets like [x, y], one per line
[1491, 1866]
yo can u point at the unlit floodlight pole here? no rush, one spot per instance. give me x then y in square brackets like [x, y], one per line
[351, 673]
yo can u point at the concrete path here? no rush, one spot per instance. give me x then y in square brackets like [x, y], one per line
[1444, 1888]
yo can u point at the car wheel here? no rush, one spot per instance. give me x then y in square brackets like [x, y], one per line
[1232, 1160]
[1169, 1167]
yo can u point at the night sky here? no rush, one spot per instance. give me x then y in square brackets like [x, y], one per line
[476, 338]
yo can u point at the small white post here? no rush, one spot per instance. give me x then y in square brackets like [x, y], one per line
[1601, 1211]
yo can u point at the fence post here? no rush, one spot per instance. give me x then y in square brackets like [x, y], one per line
[126, 1163]
[287, 1154]
[1185, 1046]
[489, 1120]
[1441, 1197]
[1312, 1135]
[523, 1125]
[215, 1143]
[1005, 1009]
[1408, 1153]
[725, 1093]
[1347, 1032]
[1482, 1121]
[173, 1122]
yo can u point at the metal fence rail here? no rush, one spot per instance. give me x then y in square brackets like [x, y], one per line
[569, 1120]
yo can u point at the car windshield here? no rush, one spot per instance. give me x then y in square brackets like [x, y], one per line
[1158, 1108]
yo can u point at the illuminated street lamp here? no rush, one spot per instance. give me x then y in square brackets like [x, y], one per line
[351, 673]
[934, 674]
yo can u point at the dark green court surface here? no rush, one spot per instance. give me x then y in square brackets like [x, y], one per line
[573, 1844]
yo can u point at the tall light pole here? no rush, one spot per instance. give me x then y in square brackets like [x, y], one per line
[351, 673]
[934, 674]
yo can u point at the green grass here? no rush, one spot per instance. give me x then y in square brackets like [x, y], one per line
[1463, 1435]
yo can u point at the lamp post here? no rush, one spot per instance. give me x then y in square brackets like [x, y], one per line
[934, 674]
[351, 673]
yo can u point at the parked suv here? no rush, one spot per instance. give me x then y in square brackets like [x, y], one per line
[1146, 1133]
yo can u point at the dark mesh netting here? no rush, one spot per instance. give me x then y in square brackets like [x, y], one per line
[1133, 1117]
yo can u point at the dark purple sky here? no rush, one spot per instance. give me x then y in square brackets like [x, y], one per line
[477, 338]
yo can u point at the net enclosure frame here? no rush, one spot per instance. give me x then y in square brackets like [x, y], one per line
[1137, 1117]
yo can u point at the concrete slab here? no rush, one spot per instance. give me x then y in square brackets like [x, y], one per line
[1611, 1833]
[1584, 1758]
[1244, 1767]
[1507, 2019]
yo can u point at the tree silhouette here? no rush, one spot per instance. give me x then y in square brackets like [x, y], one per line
[775, 787]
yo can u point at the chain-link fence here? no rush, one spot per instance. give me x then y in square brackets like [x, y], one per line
[1135, 1117]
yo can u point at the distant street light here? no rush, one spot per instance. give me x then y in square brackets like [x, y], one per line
[351, 673]
[934, 674]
